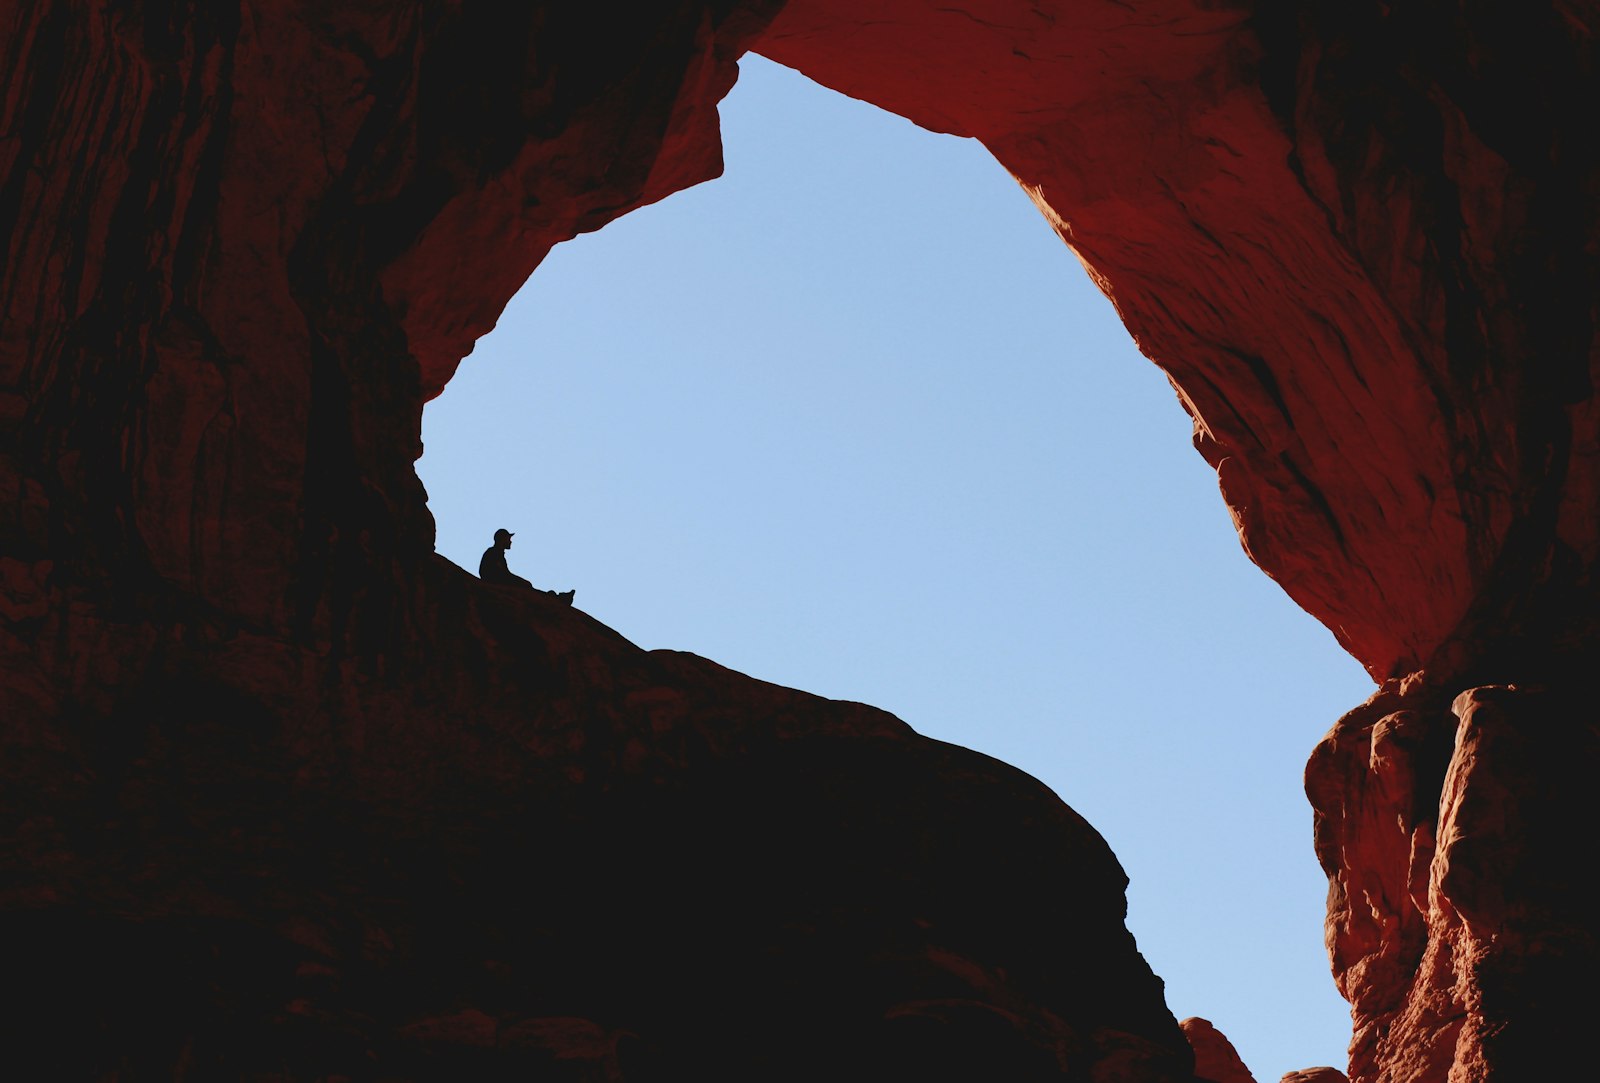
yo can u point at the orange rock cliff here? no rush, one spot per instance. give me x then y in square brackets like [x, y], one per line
[285, 793]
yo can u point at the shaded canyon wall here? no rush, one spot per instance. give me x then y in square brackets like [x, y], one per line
[359, 809]
[284, 794]
[1361, 239]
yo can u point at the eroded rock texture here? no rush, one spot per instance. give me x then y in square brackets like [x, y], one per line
[1215, 1058]
[286, 796]
[1361, 242]
[1323, 1074]
[291, 795]
[1458, 840]
[1361, 238]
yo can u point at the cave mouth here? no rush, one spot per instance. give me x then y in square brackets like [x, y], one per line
[852, 419]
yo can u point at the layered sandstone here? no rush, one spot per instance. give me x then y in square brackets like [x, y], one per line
[356, 808]
[1348, 234]
[1362, 241]
[288, 796]
[1215, 1058]
[1322, 1074]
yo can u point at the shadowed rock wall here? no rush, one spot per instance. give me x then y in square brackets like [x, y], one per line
[285, 795]
[1361, 239]
[364, 814]
[1360, 243]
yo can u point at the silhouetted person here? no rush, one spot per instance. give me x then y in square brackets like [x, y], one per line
[492, 568]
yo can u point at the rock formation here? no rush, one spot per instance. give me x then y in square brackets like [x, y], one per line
[287, 793]
[288, 796]
[1217, 1061]
[1315, 1075]
[1215, 1058]
[1361, 239]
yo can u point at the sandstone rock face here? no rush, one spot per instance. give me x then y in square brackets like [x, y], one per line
[1345, 232]
[355, 808]
[1215, 1059]
[1361, 239]
[287, 796]
[1315, 1075]
[1460, 922]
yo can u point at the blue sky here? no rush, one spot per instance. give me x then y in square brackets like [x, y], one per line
[853, 419]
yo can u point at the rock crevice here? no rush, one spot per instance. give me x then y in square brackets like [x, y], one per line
[254, 725]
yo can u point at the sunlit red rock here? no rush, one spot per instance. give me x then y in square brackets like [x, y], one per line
[1361, 239]
[1315, 1075]
[1324, 227]
[1215, 1059]
[1459, 920]
[345, 801]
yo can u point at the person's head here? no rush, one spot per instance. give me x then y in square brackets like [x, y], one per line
[502, 538]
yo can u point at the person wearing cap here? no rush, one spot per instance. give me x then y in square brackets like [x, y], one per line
[493, 568]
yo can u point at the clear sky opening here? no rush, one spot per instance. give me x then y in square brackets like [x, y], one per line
[853, 419]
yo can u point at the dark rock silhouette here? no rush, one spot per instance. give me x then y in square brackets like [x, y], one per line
[284, 793]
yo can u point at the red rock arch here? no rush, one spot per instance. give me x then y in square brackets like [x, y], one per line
[244, 245]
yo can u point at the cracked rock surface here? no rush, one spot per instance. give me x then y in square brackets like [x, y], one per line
[286, 795]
